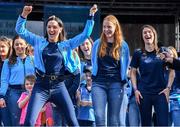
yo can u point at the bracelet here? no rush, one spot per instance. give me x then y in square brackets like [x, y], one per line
[169, 88]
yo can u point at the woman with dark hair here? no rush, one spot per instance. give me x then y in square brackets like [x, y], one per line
[12, 78]
[152, 89]
[110, 60]
[84, 52]
[53, 56]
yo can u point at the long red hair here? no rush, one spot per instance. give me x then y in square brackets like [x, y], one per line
[118, 37]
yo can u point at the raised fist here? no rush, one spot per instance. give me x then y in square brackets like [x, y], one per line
[93, 9]
[26, 11]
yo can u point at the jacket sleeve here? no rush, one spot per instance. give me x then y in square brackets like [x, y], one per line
[127, 56]
[21, 30]
[79, 39]
[5, 75]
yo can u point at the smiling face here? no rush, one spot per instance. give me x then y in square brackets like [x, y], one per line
[20, 47]
[108, 29]
[4, 49]
[53, 31]
[29, 85]
[148, 36]
[86, 48]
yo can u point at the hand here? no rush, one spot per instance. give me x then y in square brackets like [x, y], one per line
[169, 59]
[166, 56]
[2, 103]
[138, 96]
[26, 11]
[162, 56]
[93, 10]
[166, 92]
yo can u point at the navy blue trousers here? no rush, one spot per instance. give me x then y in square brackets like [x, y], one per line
[160, 106]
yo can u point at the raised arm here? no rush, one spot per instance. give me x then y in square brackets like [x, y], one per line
[79, 39]
[21, 28]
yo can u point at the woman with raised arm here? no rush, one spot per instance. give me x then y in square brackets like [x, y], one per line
[53, 56]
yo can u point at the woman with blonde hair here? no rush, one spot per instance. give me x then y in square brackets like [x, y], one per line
[110, 59]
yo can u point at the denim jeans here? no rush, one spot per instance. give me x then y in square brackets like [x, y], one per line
[5, 114]
[160, 106]
[57, 116]
[175, 112]
[111, 93]
[123, 110]
[134, 114]
[53, 91]
[15, 112]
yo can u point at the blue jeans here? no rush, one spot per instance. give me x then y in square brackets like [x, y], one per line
[57, 116]
[5, 114]
[123, 110]
[134, 114]
[175, 112]
[111, 93]
[160, 106]
[53, 91]
[15, 112]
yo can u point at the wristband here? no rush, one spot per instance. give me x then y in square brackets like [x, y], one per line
[168, 87]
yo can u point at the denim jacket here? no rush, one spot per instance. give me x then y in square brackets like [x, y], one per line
[65, 47]
[124, 59]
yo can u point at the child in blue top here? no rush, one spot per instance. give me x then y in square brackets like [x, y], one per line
[53, 56]
[85, 111]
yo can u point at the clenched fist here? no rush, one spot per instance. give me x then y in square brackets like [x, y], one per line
[26, 11]
[93, 9]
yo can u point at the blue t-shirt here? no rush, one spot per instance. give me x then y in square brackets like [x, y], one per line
[151, 69]
[86, 112]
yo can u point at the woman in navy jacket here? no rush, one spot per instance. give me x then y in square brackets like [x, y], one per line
[53, 56]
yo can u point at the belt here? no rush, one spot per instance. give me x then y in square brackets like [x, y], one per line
[52, 77]
[17, 86]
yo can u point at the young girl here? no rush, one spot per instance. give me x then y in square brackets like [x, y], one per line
[24, 100]
[84, 53]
